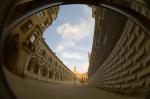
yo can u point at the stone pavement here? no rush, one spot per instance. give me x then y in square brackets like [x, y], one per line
[33, 89]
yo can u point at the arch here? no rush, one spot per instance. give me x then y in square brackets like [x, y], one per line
[36, 68]
[61, 78]
[51, 73]
[44, 71]
[56, 76]
[31, 65]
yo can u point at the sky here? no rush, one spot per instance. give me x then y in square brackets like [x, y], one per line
[71, 35]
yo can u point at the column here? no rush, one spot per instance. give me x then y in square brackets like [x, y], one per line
[47, 75]
[39, 74]
[60, 78]
[53, 77]
[26, 65]
[53, 73]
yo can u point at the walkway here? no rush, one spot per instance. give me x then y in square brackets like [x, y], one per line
[33, 89]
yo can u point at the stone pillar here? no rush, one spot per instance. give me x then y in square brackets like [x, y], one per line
[65, 78]
[53, 76]
[47, 75]
[32, 71]
[26, 65]
[39, 74]
[21, 61]
[62, 78]
[59, 79]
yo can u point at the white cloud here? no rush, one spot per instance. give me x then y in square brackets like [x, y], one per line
[74, 32]
[86, 65]
[60, 48]
[71, 35]
[72, 55]
[64, 45]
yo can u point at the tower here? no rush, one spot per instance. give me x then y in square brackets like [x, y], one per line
[75, 70]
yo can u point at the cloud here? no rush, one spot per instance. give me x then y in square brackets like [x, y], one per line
[73, 37]
[60, 48]
[68, 55]
[74, 32]
[86, 65]
[65, 45]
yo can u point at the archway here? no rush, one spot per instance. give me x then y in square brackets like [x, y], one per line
[51, 73]
[36, 68]
[44, 71]
[33, 65]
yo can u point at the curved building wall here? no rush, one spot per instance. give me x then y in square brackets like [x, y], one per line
[126, 69]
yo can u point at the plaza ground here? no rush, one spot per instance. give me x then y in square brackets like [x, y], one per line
[33, 89]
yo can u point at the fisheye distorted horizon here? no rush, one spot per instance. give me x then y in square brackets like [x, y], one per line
[70, 36]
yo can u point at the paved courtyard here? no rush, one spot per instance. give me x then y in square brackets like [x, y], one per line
[33, 89]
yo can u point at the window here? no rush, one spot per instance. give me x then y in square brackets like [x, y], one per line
[39, 49]
[44, 53]
[43, 24]
[40, 14]
[45, 57]
[29, 66]
[56, 64]
[36, 33]
[36, 69]
[52, 11]
[46, 22]
[44, 72]
[32, 39]
[50, 60]
[25, 27]
[96, 43]
[50, 74]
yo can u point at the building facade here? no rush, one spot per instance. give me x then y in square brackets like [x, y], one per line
[28, 55]
[81, 77]
[108, 28]
[126, 69]
[97, 14]
[43, 64]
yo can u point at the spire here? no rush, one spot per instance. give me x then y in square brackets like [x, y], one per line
[75, 69]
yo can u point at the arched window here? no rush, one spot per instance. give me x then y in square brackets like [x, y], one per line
[44, 72]
[36, 69]
[29, 66]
